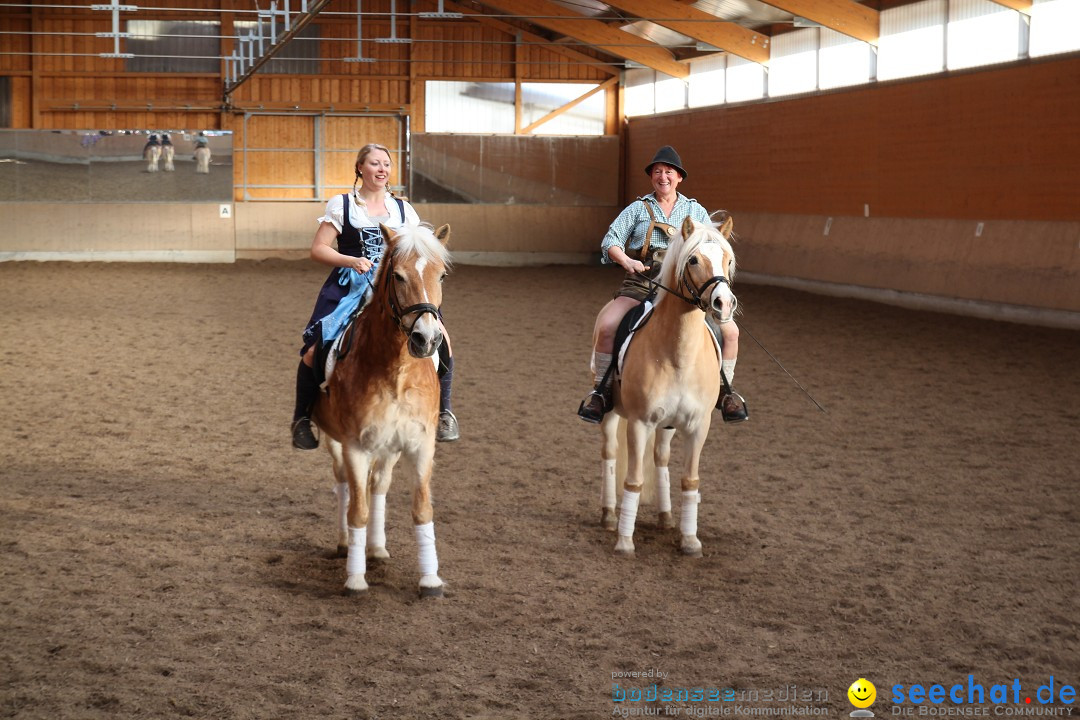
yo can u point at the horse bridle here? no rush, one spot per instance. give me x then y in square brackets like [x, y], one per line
[697, 294]
[398, 313]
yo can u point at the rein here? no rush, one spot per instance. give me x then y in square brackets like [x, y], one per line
[696, 294]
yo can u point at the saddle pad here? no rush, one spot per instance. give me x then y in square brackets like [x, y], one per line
[633, 321]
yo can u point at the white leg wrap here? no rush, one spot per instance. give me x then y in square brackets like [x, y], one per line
[425, 549]
[607, 487]
[729, 370]
[357, 562]
[628, 513]
[602, 362]
[663, 490]
[688, 521]
[377, 522]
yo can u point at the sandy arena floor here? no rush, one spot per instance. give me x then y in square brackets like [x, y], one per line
[164, 551]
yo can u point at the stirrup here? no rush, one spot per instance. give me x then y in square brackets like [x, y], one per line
[302, 436]
[448, 430]
[588, 410]
[739, 413]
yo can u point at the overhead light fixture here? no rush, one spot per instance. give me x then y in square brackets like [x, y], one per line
[393, 28]
[801, 22]
[440, 14]
[706, 47]
[359, 36]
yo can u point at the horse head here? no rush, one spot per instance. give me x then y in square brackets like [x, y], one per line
[415, 262]
[704, 263]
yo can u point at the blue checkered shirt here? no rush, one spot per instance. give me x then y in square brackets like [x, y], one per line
[628, 229]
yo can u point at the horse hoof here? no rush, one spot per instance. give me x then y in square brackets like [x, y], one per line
[665, 521]
[349, 592]
[608, 519]
[377, 555]
[431, 592]
[693, 552]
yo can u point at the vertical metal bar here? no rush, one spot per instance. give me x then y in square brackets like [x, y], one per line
[244, 175]
[318, 157]
[407, 179]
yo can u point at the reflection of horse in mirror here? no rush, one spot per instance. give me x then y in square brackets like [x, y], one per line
[152, 153]
[382, 402]
[202, 157]
[167, 152]
[670, 380]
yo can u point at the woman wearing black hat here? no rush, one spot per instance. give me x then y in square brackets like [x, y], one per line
[637, 234]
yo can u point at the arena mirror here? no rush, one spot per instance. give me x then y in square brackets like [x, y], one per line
[116, 166]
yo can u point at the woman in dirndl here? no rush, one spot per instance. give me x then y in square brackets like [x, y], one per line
[351, 221]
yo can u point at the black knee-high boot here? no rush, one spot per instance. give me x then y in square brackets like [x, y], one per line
[307, 391]
[448, 430]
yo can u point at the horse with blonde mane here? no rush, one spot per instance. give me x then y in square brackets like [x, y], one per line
[152, 154]
[202, 159]
[167, 154]
[382, 403]
[669, 382]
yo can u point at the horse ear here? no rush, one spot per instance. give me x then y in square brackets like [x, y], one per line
[687, 227]
[443, 234]
[727, 226]
[387, 233]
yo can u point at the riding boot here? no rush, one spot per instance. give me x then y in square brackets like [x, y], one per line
[731, 404]
[597, 402]
[307, 391]
[448, 430]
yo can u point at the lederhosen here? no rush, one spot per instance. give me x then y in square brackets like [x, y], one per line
[634, 286]
[354, 242]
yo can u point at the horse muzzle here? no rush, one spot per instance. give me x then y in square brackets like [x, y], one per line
[425, 341]
[723, 303]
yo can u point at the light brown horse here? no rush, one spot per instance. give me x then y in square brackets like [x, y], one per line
[382, 402]
[670, 381]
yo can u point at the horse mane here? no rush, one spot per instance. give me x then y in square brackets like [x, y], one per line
[420, 239]
[680, 250]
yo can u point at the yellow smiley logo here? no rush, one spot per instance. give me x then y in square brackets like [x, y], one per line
[862, 693]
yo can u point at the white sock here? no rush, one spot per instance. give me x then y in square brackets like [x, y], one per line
[603, 362]
[729, 370]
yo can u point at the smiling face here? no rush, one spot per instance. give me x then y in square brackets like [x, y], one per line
[862, 693]
[665, 179]
[374, 168]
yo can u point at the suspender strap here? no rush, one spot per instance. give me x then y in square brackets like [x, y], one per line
[668, 230]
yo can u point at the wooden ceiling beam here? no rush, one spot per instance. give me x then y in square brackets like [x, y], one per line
[595, 33]
[1023, 6]
[843, 16]
[513, 30]
[702, 26]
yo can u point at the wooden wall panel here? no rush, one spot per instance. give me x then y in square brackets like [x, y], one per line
[940, 147]
[463, 51]
[16, 42]
[342, 138]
